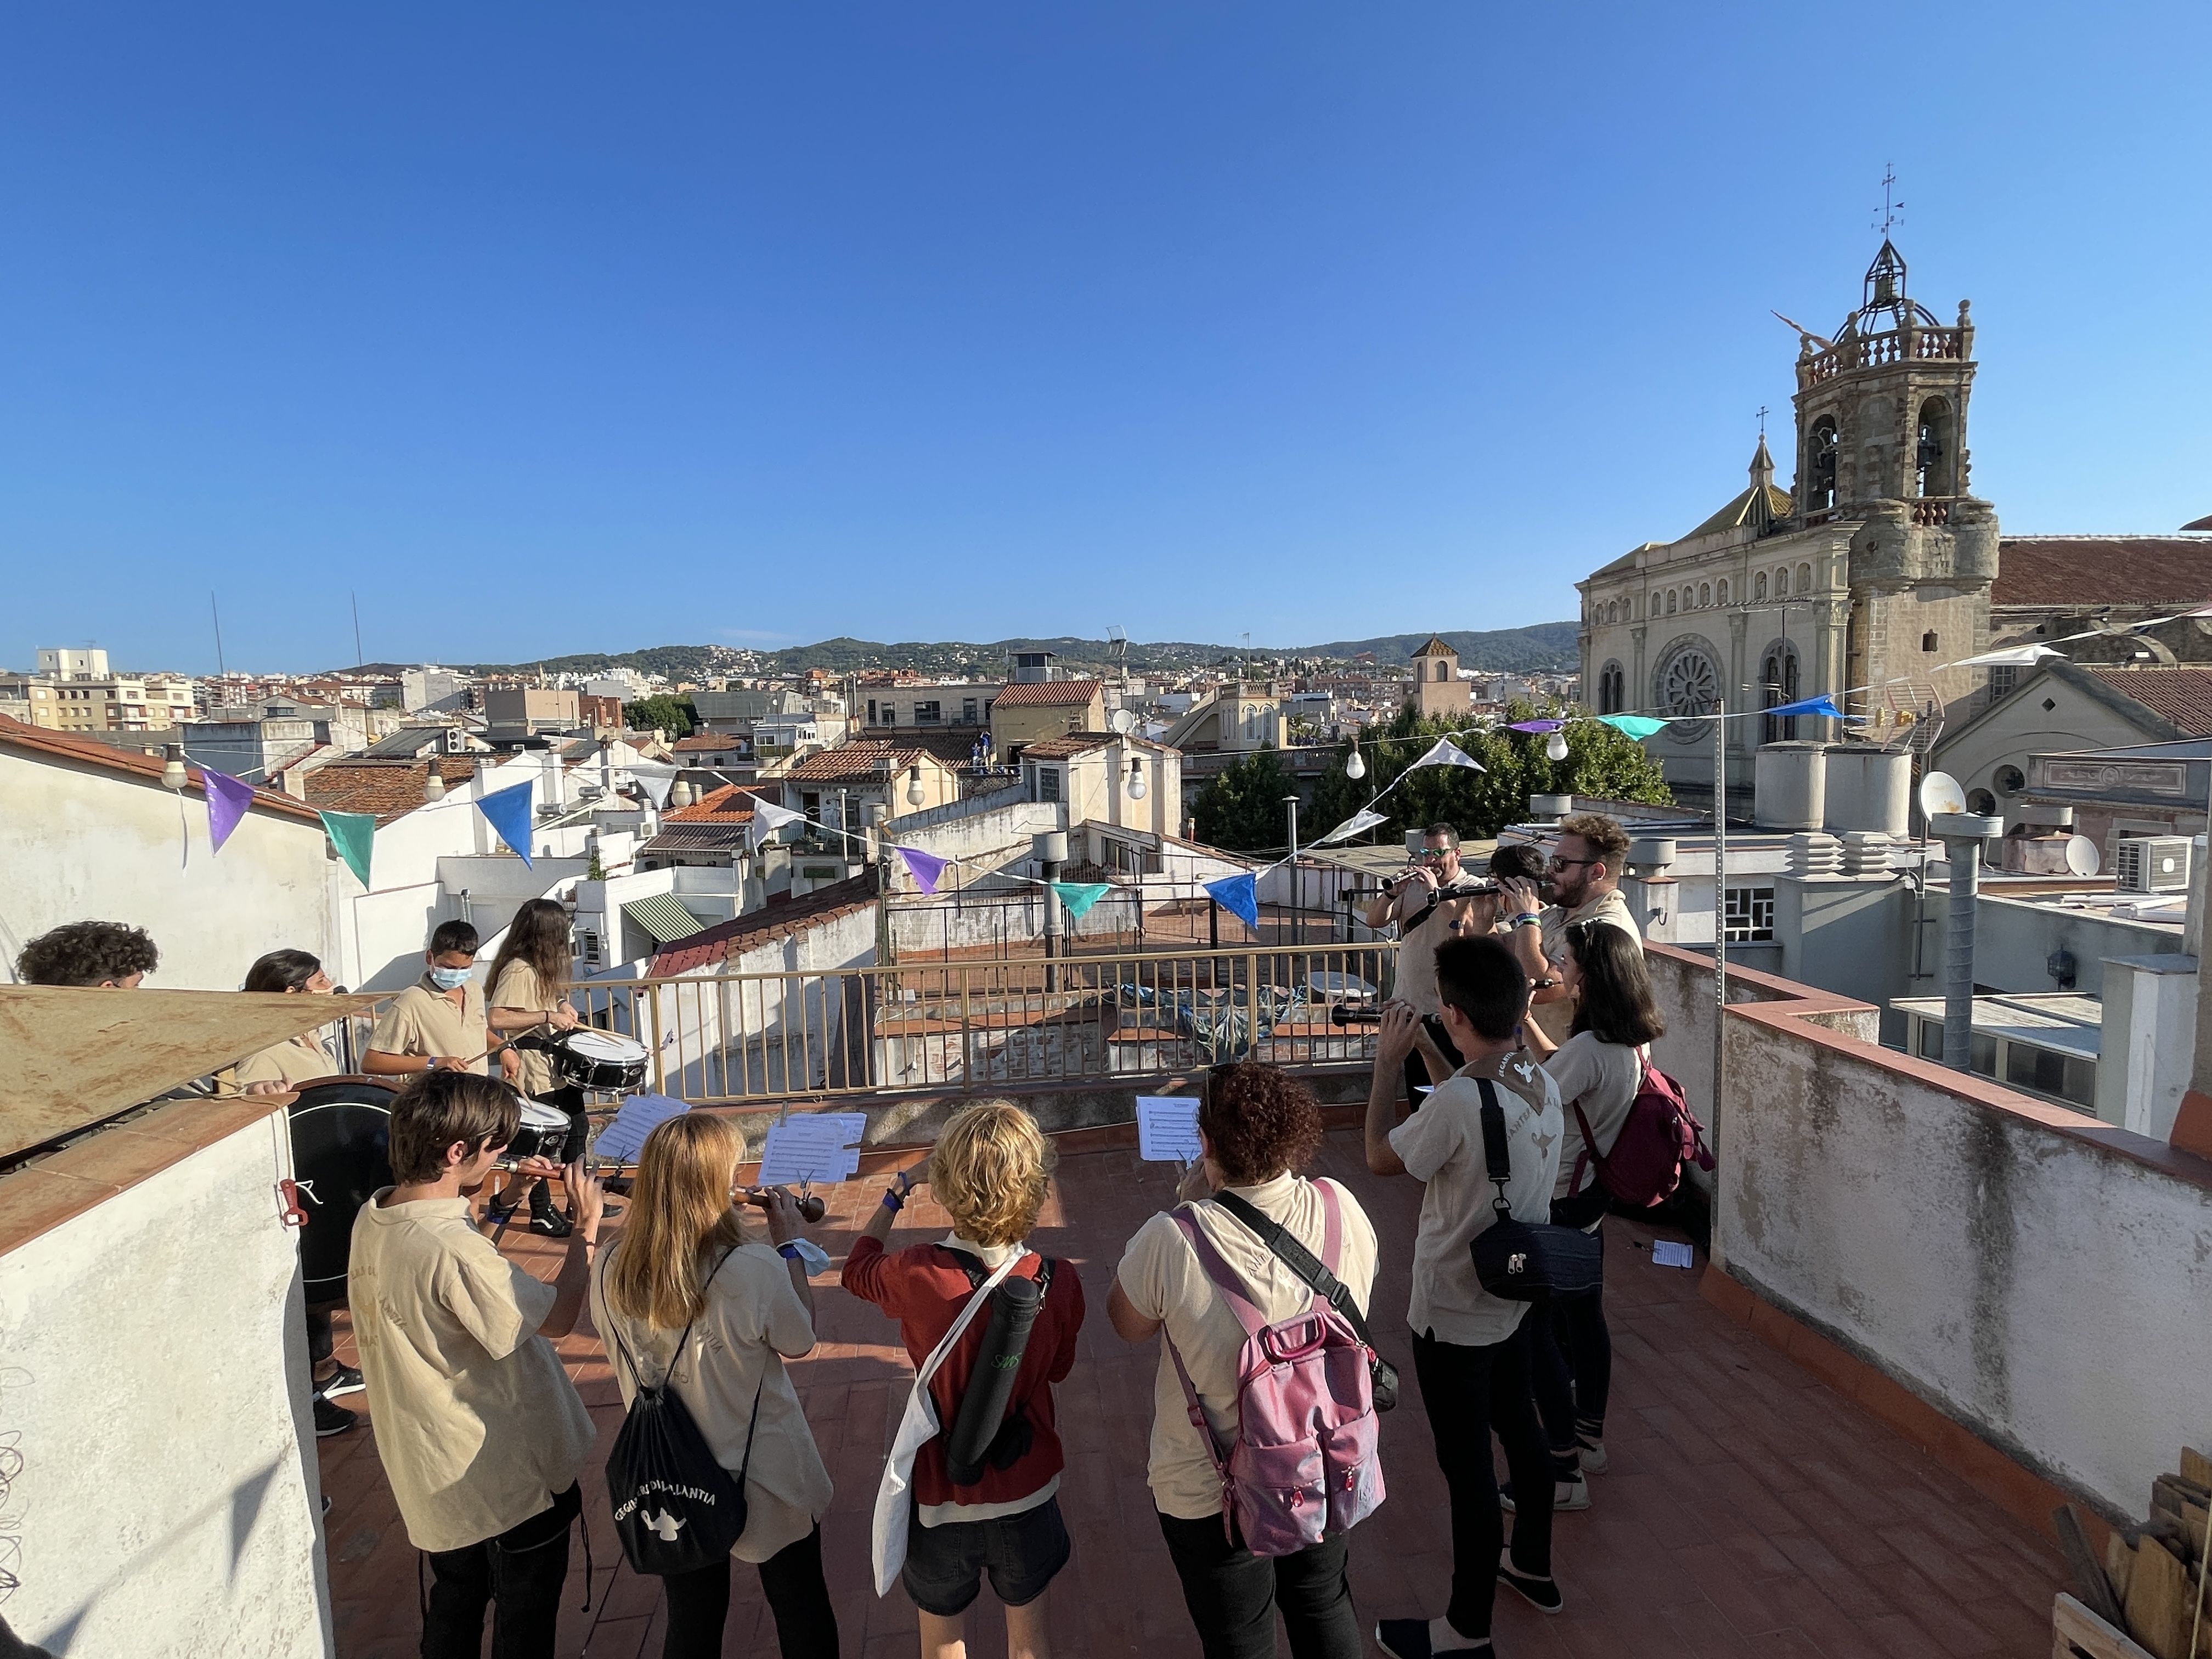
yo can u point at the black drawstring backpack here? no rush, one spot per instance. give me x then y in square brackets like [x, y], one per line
[675, 1509]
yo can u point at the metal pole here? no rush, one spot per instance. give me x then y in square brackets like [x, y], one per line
[1298, 934]
[1962, 834]
[1720, 903]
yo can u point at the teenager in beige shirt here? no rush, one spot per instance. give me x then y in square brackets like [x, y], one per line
[683, 1271]
[529, 1000]
[481, 1433]
[1257, 1128]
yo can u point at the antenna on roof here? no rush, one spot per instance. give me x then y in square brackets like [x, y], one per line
[1892, 211]
[221, 672]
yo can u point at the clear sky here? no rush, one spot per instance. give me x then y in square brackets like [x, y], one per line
[552, 328]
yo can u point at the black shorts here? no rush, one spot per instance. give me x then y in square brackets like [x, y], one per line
[944, 1565]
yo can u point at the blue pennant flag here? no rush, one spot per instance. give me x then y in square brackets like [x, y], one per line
[508, 811]
[1823, 704]
[1239, 895]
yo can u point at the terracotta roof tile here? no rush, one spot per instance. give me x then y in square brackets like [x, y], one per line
[1049, 694]
[733, 939]
[386, 788]
[16, 735]
[2181, 696]
[728, 804]
[2087, 572]
[700, 743]
[1082, 742]
[857, 760]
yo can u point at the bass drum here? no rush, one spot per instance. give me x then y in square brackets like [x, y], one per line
[341, 1155]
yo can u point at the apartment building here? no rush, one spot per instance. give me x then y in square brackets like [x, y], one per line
[75, 690]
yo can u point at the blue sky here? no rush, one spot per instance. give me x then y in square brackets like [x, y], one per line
[561, 328]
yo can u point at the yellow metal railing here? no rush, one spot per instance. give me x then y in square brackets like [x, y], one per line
[1090, 1020]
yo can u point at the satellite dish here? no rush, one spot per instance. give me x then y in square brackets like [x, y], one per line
[1123, 722]
[1940, 793]
[2081, 855]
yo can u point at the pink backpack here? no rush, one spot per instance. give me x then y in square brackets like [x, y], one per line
[1661, 1135]
[1305, 1464]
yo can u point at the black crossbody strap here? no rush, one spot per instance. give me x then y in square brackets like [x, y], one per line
[1299, 1260]
[1493, 1140]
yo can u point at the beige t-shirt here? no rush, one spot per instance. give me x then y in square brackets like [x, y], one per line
[1441, 1145]
[1161, 1278]
[423, 1020]
[1555, 1019]
[1417, 950]
[477, 1424]
[752, 1322]
[294, 1061]
[520, 986]
[1603, 1079]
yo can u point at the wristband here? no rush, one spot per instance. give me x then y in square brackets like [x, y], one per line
[789, 1251]
[892, 1201]
[1526, 920]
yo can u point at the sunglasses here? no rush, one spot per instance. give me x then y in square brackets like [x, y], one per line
[1435, 854]
[1558, 863]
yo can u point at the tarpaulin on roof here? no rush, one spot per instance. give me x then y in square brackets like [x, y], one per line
[664, 918]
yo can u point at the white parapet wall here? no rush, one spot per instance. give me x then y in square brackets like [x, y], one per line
[154, 1388]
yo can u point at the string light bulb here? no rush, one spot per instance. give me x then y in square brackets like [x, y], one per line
[1555, 746]
[1137, 789]
[1355, 768]
[914, 795]
[173, 775]
[433, 783]
[680, 794]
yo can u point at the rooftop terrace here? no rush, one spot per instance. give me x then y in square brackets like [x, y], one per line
[1751, 1508]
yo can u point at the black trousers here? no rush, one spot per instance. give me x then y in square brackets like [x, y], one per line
[1570, 1365]
[1416, 1069]
[1233, 1595]
[318, 1333]
[1467, 1392]
[790, 1579]
[519, 1574]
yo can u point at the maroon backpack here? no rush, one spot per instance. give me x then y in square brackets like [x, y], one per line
[1661, 1135]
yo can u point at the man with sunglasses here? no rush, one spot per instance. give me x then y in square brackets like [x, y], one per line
[1420, 903]
[1584, 882]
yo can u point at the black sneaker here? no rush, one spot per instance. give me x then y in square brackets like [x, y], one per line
[346, 1380]
[1542, 1594]
[331, 1419]
[551, 1223]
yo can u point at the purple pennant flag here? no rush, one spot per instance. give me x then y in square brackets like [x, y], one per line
[226, 800]
[1538, 727]
[924, 867]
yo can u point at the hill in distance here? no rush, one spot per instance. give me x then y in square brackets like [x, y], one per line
[1545, 647]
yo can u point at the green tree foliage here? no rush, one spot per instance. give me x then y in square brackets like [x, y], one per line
[1242, 809]
[1601, 762]
[676, 716]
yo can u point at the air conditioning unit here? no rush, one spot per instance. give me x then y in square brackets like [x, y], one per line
[2152, 864]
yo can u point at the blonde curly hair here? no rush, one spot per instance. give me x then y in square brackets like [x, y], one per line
[990, 1169]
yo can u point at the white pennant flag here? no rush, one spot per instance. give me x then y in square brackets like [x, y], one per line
[767, 818]
[656, 778]
[1364, 818]
[1445, 752]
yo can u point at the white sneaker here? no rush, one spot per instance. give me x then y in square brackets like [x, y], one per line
[1591, 1455]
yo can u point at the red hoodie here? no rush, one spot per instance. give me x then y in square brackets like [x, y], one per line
[924, 1287]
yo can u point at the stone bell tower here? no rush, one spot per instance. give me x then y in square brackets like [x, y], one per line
[1881, 441]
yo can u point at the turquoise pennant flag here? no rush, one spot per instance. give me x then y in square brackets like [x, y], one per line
[1638, 727]
[1079, 895]
[354, 834]
[508, 811]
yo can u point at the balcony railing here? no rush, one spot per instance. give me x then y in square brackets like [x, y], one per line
[760, 1039]
[1875, 350]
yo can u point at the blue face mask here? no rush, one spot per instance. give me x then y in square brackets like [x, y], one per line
[449, 979]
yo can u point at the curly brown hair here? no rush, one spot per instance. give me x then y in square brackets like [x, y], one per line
[1260, 1121]
[86, 953]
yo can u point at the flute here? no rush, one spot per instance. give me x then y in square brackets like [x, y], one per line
[810, 1207]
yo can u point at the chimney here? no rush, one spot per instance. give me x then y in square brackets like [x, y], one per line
[1962, 834]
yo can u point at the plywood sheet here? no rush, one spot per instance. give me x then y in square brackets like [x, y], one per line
[70, 1057]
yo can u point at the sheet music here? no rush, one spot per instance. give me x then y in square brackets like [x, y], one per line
[624, 1137]
[1668, 1253]
[1167, 1128]
[812, 1147]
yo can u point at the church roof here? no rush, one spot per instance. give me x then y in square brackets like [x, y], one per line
[1744, 510]
[1435, 648]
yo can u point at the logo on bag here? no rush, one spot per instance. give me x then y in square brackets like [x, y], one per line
[665, 1525]
[1516, 1263]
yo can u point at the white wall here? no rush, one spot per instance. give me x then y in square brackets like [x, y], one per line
[156, 1388]
[81, 843]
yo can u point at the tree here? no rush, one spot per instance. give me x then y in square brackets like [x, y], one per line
[1242, 809]
[1600, 762]
[662, 712]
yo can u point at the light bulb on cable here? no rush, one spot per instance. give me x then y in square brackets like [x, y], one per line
[1555, 746]
[1355, 768]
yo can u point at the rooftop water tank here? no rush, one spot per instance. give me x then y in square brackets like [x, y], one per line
[1869, 789]
[1791, 784]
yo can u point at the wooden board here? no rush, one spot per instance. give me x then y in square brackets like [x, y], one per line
[2075, 1629]
[2094, 1587]
[71, 1057]
[2160, 1601]
[2196, 1467]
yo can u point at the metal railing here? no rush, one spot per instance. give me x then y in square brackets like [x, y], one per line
[760, 1039]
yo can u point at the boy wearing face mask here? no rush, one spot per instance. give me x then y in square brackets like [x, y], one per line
[437, 1024]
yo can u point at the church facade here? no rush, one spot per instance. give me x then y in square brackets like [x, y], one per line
[1871, 569]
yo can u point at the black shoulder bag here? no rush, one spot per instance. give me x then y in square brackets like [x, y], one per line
[1382, 1375]
[1517, 1259]
[676, 1508]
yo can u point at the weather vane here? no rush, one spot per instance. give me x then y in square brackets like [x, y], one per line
[1891, 210]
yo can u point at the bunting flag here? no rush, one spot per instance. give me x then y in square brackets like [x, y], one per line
[1638, 727]
[767, 818]
[508, 811]
[1823, 704]
[1078, 896]
[228, 797]
[657, 778]
[1364, 818]
[354, 834]
[1239, 895]
[1537, 727]
[1444, 752]
[927, 868]
[2020, 656]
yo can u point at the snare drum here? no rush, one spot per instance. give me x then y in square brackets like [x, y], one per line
[341, 1140]
[544, 1133]
[600, 1060]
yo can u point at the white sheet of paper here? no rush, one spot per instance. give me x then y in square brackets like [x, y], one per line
[1167, 1128]
[803, 1149]
[624, 1136]
[1665, 1253]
